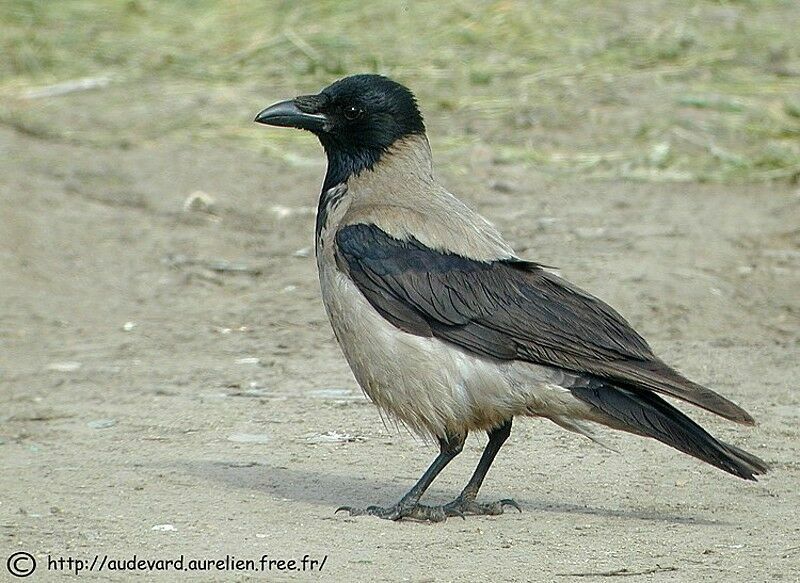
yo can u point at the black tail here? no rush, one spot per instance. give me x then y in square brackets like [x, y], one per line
[647, 414]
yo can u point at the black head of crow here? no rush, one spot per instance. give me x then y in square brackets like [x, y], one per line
[356, 119]
[447, 329]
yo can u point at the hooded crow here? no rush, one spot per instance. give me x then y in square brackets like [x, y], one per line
[446, 329]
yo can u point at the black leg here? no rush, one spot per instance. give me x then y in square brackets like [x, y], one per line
[409, 506]
[465, 503]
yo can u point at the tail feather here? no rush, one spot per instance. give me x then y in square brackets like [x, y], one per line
[660, 377]
[645, 413]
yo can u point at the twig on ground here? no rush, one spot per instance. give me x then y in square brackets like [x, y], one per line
[84, 84]
[624, 572]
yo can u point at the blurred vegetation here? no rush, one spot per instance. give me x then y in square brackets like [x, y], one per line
[670, 90]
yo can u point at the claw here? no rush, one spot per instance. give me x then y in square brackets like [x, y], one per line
[457, 512]
[510, 502]
[353, 511]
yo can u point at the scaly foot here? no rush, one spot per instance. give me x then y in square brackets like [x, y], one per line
[400, 511]
[458, 507]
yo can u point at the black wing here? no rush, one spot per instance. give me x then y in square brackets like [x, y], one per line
[508, 310]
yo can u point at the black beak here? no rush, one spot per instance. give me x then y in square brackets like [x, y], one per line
[286, 114]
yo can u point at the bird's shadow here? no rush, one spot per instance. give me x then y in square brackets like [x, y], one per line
[334, 490]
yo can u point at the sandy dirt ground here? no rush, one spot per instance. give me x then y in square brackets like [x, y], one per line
[169, 383]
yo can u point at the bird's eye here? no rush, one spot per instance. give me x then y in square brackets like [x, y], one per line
[352, 112]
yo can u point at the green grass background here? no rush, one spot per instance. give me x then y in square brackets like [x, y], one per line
[670, 90]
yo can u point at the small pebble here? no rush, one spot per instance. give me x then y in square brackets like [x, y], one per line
[283, 212]
[589, 232]
[199, 202]
[68, 366]
[502, 186]
[164, 528]
[101, 423]
[304, 252]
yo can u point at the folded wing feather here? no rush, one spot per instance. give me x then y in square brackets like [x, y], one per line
[508, 310]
